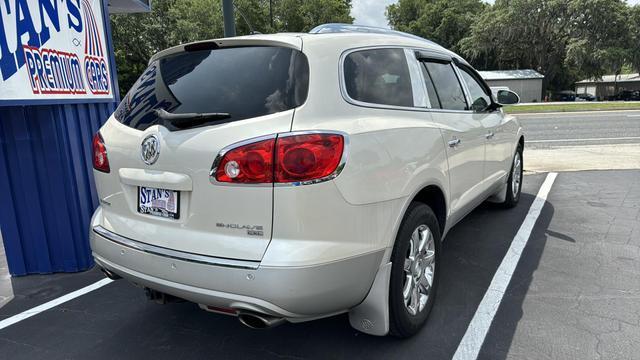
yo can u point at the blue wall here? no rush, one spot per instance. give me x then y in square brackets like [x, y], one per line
[47, 194]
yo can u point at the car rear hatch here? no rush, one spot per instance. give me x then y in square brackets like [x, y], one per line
[158, 189]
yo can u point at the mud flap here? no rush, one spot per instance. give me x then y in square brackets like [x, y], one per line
[500, 196]
[372, 315]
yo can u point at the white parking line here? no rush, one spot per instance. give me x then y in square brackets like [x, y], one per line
[53, 303]
[587, 139]
[473, 339]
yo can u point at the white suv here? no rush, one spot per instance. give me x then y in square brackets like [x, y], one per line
[290, 177]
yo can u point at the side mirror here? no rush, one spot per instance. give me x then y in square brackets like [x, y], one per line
[507, 97]
[479, 105]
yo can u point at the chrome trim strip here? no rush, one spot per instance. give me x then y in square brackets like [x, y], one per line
[174, 254]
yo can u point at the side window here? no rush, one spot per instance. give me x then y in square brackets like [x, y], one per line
[480, 100]
[431, 90]
[379, 76]
[447, 86]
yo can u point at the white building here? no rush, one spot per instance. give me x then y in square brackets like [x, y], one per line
[526, 83]
[609, 85]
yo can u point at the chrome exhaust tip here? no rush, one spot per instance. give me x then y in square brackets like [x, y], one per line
[110, 275]
[259, 321]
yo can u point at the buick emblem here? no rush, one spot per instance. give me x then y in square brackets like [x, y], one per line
[150, 149]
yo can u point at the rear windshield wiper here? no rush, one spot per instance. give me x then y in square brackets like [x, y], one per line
[190, 118]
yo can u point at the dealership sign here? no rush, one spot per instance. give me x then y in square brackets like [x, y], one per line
[53, 50]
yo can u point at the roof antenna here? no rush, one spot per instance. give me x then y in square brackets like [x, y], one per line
[251, 30]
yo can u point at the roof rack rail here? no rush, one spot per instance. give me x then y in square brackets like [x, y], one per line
[350, 28]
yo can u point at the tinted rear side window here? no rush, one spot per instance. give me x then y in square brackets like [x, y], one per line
[378, 76]
[245, 82]
[447, 86]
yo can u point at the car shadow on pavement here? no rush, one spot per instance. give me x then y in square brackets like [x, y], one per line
[471, 254]
[118, 322]
[501, 334]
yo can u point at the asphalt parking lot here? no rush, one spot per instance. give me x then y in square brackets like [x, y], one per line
[575, 294]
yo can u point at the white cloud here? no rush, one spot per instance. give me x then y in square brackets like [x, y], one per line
[370, 12]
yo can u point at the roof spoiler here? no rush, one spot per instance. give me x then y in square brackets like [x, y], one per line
[293, 42]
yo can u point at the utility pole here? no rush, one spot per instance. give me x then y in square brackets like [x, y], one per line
[229, 18]
[271, 13]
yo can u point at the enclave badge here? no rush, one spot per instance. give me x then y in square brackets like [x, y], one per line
[150, 149]
[253, 230]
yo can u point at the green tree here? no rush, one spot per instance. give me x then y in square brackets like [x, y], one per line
[304, 15]
[634, 43]
[564, 39]
[522, 34]
[137, 37]
[443, 21]
[191, 20]
[600, 37]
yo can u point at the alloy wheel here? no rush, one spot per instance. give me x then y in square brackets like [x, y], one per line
[516, 175]
[419, 267]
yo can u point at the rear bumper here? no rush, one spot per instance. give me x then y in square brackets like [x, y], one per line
[295, 293]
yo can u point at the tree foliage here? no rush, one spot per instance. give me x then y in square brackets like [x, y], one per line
[521, 34]
[634, 34]
[443, 21]
[137, 37]
[566, 40]
[600, 37]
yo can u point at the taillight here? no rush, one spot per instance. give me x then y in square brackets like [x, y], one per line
[247, 164]
[307, 157]
[100, 159]
[290, 158]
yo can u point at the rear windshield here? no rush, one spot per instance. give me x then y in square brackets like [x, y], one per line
[244, 82]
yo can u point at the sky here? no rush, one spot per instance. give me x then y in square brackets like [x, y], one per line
[371, 12]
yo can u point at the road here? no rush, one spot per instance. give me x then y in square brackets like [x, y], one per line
[583, 128]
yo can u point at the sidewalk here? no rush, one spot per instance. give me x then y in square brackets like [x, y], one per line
[6, 291]
[583, 157]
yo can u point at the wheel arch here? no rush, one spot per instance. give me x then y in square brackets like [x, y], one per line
[372, 315]
[433, 196]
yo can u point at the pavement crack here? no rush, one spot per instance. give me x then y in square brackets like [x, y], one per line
[20, 343]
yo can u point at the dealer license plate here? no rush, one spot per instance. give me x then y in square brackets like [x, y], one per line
[159, 202]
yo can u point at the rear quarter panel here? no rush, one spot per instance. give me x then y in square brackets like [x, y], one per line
[392, 155]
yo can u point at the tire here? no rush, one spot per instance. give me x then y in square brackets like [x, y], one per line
[407, 318]
[513, 197]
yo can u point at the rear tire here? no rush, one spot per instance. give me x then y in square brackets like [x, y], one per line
[414, 271]
[514, 188]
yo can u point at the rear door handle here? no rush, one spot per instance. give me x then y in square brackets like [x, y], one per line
[490, 135]
[454, 142]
